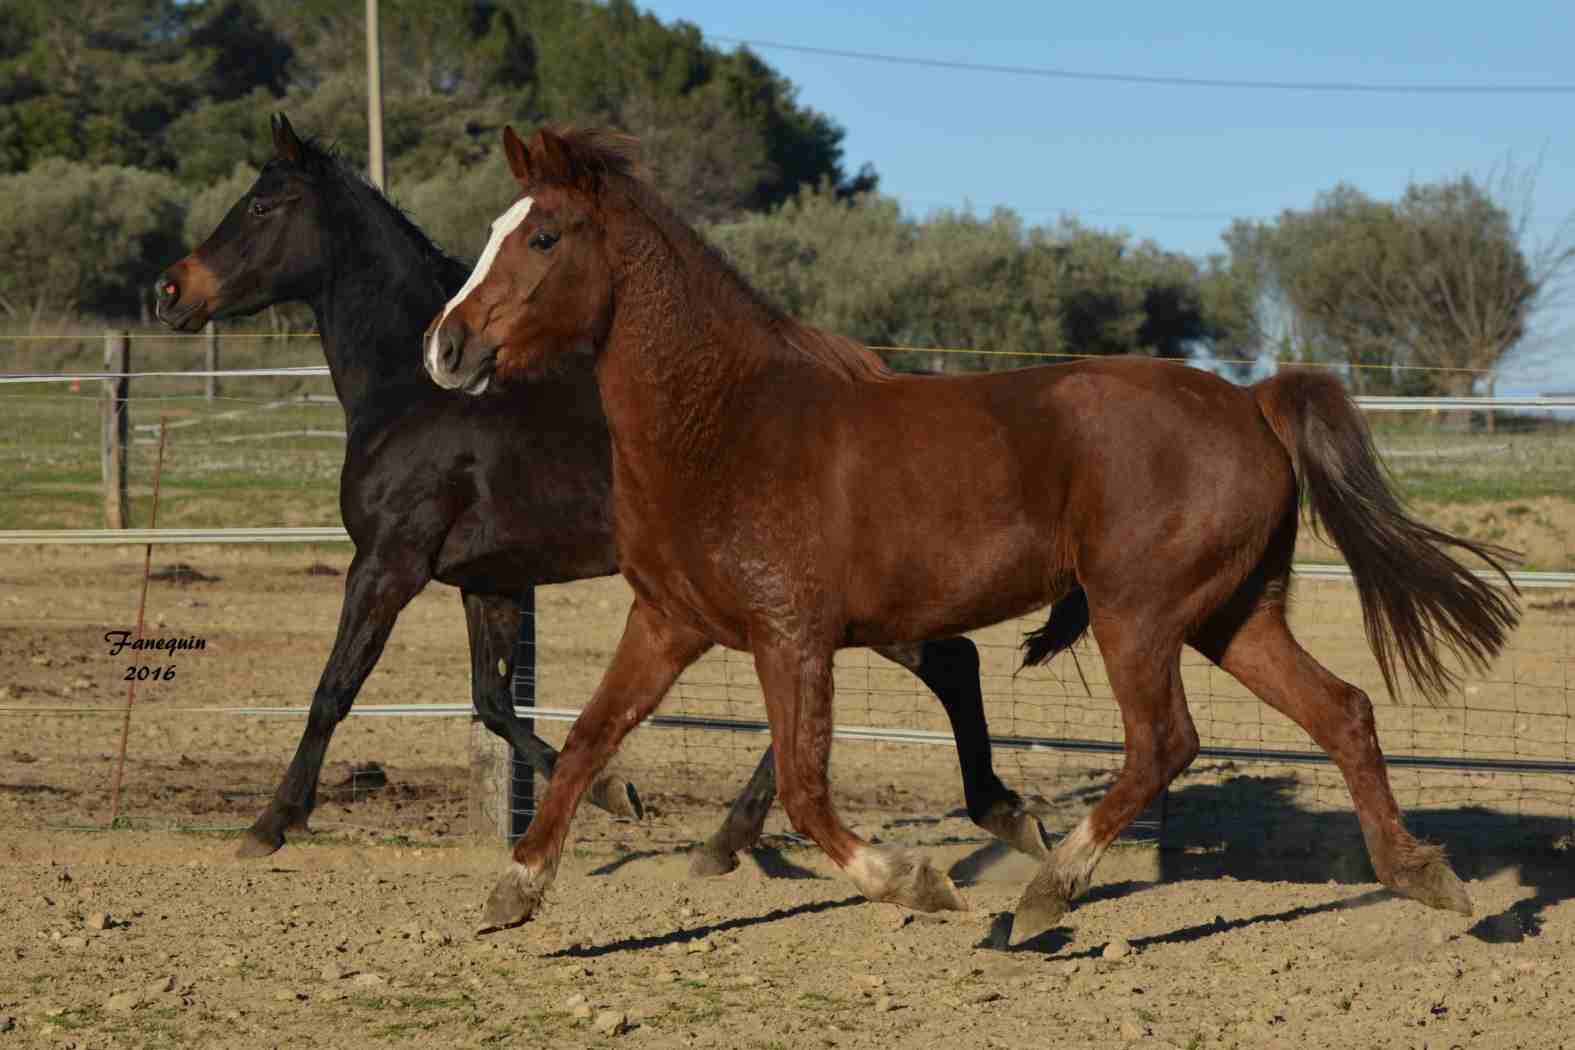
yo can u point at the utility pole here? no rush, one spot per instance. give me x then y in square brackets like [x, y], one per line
[374, 98]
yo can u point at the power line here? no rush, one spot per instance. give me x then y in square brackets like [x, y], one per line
[949, 201]
[1323, 86]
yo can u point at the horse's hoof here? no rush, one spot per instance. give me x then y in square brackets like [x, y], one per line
[510, 904]
[707, 861]
[932, 890]
[896, 877]
[256, 844]
[1035, 914]
[1436, 885]
[1018, 827]
[617, 796]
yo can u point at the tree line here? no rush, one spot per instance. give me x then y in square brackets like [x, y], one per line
[126, 129]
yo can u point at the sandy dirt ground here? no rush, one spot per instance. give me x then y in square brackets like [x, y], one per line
[1254, 923]
[352, 945]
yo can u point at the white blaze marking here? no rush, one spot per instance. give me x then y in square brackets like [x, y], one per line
[502, 226]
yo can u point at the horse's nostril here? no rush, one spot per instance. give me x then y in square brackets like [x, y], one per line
[451, 341]
[166, 290]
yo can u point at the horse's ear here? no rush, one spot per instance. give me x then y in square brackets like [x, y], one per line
[285, 142]
[514, 149]
[554, 158]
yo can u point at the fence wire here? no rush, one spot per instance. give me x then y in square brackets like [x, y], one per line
[268, 452]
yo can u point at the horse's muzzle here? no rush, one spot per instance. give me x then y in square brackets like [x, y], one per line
[454, 361]
[181, 296]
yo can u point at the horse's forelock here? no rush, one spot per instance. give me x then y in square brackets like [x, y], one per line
[582, 157]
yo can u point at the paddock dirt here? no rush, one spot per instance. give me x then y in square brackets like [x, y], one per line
[1256, 925]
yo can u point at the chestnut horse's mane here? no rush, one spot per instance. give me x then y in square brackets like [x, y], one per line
[593, 157]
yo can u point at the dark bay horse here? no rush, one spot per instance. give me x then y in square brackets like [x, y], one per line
[778, 490]
[437, 486]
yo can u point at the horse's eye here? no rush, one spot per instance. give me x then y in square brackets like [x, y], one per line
[543, 241]
[260, 207]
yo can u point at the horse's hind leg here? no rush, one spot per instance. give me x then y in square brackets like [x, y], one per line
[741, 828]
[1145, 675]
[494, 626]
[950, 667]
[376, 589]
[1265, 658]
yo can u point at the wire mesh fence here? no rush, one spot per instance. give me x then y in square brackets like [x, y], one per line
[267, 452]
[1258, 773]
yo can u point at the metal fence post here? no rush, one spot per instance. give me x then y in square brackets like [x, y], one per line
[115, 413]
[210, 336]
[522, 778]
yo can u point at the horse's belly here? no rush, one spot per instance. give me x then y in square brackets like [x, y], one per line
[933, 591]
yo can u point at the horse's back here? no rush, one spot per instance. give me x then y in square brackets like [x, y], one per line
[1054, 472]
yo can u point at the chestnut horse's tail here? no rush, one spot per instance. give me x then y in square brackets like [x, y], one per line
[1413, 594]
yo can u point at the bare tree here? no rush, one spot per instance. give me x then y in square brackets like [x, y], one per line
[1447, 279]
[1473, 272]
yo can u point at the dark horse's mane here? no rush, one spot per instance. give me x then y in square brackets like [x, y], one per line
[326, 162]
[593, 158]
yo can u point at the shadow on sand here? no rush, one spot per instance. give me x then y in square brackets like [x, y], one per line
[630, 944]
[1252, 828]
[1246, 827]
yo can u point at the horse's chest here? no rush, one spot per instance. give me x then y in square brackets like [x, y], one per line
[705, 576]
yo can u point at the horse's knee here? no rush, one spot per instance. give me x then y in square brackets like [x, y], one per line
[326, 712]
[495, 716]
[1154, 760]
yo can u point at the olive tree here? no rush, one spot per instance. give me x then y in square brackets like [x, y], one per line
[77, 237]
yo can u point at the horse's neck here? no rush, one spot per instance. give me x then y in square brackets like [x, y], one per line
[371, 313]
[670, 370]
[687, 349]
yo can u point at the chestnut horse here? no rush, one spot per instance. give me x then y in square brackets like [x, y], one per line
[778, 490]
[437, 486]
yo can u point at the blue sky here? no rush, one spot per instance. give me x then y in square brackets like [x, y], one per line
[1175, 163]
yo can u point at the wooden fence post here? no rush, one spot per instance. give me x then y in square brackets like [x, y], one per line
[502, 785]
[211, 337]
[115, 412]
[489, 779]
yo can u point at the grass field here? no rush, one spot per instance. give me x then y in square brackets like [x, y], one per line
[258, 455]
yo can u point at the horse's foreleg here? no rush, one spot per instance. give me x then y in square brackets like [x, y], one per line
[650, 656]
[950, 667]
[494, 625]
[741, 828]
[1145, 675]
[798, 689]
[375, 592]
